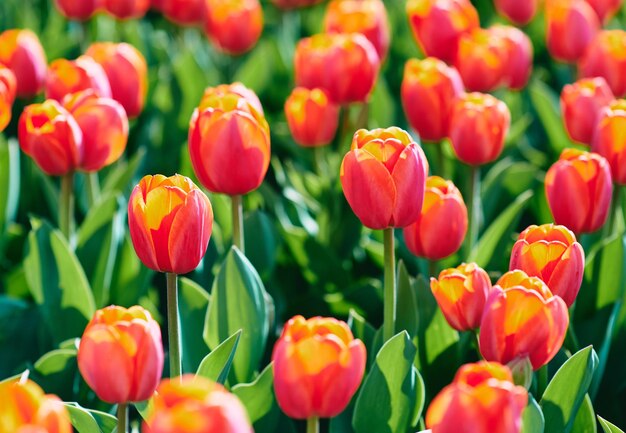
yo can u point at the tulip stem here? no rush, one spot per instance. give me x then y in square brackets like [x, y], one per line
[237, 209]
[173, 326]
[66, 209]
[441, 160]
[432, 268]
[474, 207]
[122, 417]
[93, 188]
[313, 425]
[616, 207]
[390, 295]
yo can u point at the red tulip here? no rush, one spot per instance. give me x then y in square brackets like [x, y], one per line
[311, 116]
[8, 89]
[605, 8]
[609, 140]
[519, 12]
[66, 77]
[518, 63]
[77, 9]
[126, 9]
[571, 25]
[184, 12]
[481, 59]
[234, 26]
[606, 57]
[21, 51]
[237, 89]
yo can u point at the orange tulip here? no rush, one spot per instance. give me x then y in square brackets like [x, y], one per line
[127, 71]
[70, 76]
[294, 4]
[571, 25]
[184, 12]
[318, 366]
[191, 404]
[606, 57]
[345, 66]
[21, 51]
[605, 8]
[234, 26]
[579, 188]
[77, 9]
[429, 88]
[104, 125]
[482, 399]
[229, 144]
[519, 12]
[438, 24]
[383, 178]
[50, 135]
[170, 223]
[311, 116]
[442, 225]
[130, 342]
[368, 17]
[518, 54]
[237, 89]
[461, 293]
[8, 88]
[478, 126]
[581, 105]
[126, 9]
[26, 409]
[609, 140]
[481, 59]
[551, 253]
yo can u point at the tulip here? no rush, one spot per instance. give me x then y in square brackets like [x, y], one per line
[66, 77]
[311, 116]
[482, 399]
[481, 59]
[368, 17]
[345, 66]
[237, 89]
[21, 51]
[606, 57]
[26, 409]
[442, 225]
[193, 404]
[438, 24]
[80, 10]
[8, 88]
[478, 126]
[605, 8]
[550, 252]
[522, 319]
[127, 71]
[130, 341]
[581, 105]
[294, 4]
[126, 9]
[579, 188]
[461, 293]
[571, 25]
[519, 12]
[234, 26]
[184, 12]
[104, 125]
[429, 88]
[383, 178]
[318, 366]
[518, 54]
[609, 141]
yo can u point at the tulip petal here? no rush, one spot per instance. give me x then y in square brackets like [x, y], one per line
[567, 276]
[409, 178]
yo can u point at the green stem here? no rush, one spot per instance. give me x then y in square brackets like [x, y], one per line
[441, 160]
[313, 425]
[122, 417]
[173, 325]
[616, 208]
[542, 380]
[318, 160]
[93, 188]
[474, 207]
[432, 268]
[363, 117]
[237, 211]
[66, 209]
[390, 295]
[571, 340]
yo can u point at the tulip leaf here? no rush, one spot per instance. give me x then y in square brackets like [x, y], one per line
[193, 303]
[261, 242]
[585, 421]
[546, 103]
[54, 370]
[9, 181]
[532, 418]
[144, 408]
[407, 315]
[216, 365]
[122, 175]
[608, 427]
[567, 389]
[130, 277]
[20, 323]
[90, 421]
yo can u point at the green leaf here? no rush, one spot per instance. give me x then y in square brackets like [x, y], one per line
[258, 396]
[261, 242]
[407, 314]
[9, 181]
[55, 370]
[546, 103]
[585, 421]
[20, 325]
[216, 365]
[566, 391]
[144, 408]
[532, 418]
[193, 304]
[122, 175]
[608, 427]
[90, 421]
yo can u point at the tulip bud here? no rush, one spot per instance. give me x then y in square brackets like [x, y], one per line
[50, 135]
[518, 56]
[579, 188]
[481, 399]
[437, 25]
[581, 104]
[480, 59]
[318, 366]
[519, 12]
[571, 25]
[311, 117]
[609, 140]
[170, 223]
[184, 12]
[80, 10]
[551, 253]
[193, 404]
[522, 371]
[461, 293]
[126, 9]
[478, 126]
[66, 77]
[606, 58]
[442, 225]
[429, 88]
[130, 341]
[383, 178]
[234, 26]
[8, 88]
[368, 17]
[127, 72]
[21, 51]
[294, 4]
[605, 8]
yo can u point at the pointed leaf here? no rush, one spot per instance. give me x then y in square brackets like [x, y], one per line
[532, 418]
[193, 304]
[90, 421]
[585, 421]
[608, 427]
[216, 365]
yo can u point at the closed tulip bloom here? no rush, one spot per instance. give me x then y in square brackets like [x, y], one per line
[104, 125]
[294, 4]
[609, 140]
[70, 76]
[442, 225]
[384, 177]
[50, 135]
[581, 105]
[518, 55]
[21, 51]
[519, 12]
[345, 66]
[551, 253]
[184, 12]
[130, 342]
[478, 126]
[77, 9]
[461, 293]
[8, 88]
[481, 399]
[193, 404]
[571, 25]
[605, 8]
[234, 26]
[429, 89]
[481, 59]
[127, 72]
[368, 17]
[318, 366]
[126, 9]
[606, 57]
[579, 188]
[311, 116]
[170, 223]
